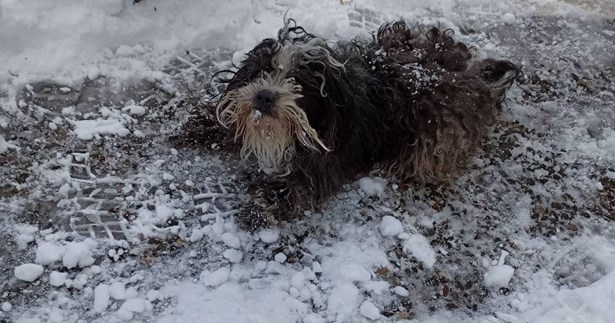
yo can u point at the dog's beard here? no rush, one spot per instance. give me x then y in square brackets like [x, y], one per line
[270, 138]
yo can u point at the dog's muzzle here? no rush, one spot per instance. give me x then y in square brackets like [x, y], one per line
[264, 101]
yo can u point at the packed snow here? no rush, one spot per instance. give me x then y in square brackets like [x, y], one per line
[104, 219]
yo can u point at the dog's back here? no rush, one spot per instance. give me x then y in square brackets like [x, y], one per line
[444, 101]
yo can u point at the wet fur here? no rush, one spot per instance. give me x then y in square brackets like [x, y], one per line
[419, 112]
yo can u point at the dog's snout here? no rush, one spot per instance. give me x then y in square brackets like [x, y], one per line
[264, 101]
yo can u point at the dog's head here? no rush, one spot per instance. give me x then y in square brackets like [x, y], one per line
[278, 94]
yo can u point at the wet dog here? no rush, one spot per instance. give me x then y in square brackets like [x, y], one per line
[412, 103]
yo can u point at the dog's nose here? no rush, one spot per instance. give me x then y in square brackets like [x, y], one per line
[264, 101]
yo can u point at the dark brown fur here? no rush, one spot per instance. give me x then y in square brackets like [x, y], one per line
[411, 103]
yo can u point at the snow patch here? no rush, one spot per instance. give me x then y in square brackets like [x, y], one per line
[418, 247]
[390, 226]
[372, 186]
[498, 276]
[28, 272]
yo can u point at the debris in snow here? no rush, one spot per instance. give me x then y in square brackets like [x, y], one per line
[390, 226]
[418, 247]
[498, 276]
[369, 310]
[372, 186]
[269, 235]
[215, 278]
[28, 272]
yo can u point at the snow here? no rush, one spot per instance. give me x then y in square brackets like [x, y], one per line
[232, 255]
[135, 110]
[48, 253]
[499, 276]
[117, 291]
[401, 291]
[231, 240]
[6, 306]
[269, 235]
[369, 310]
[372, 186]
[418, 246]
[390, 226]
[28, 272]
[163, 258]
[132, 306]
[509, 18]
[5, 146]
[280, 257]
[101, 298]
[77, 254]
[57, 278]
[216, 277]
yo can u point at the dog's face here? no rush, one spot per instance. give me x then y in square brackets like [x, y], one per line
[276, 93]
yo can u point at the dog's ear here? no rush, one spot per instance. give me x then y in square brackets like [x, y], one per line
[256, 63]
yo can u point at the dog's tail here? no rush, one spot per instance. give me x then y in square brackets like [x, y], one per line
[500, 75]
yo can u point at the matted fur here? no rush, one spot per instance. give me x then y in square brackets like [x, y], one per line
[412, 102]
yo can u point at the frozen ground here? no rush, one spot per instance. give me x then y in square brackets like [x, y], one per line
[107, 216]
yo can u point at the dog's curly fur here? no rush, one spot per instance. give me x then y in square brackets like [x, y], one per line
[412, 102]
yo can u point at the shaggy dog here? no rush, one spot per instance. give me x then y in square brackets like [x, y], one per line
[411, 103]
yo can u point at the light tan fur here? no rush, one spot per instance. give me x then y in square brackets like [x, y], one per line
[269, 138]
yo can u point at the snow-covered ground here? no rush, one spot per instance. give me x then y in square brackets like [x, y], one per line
[109, 214]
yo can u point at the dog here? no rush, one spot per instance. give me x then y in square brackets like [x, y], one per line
[412, 103]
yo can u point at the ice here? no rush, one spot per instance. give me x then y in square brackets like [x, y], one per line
[372, 186]
[499, 276]
[369, 310]
[216, 277]
[418, 247]
[48, 253]
[390, 226]
[28, 272]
